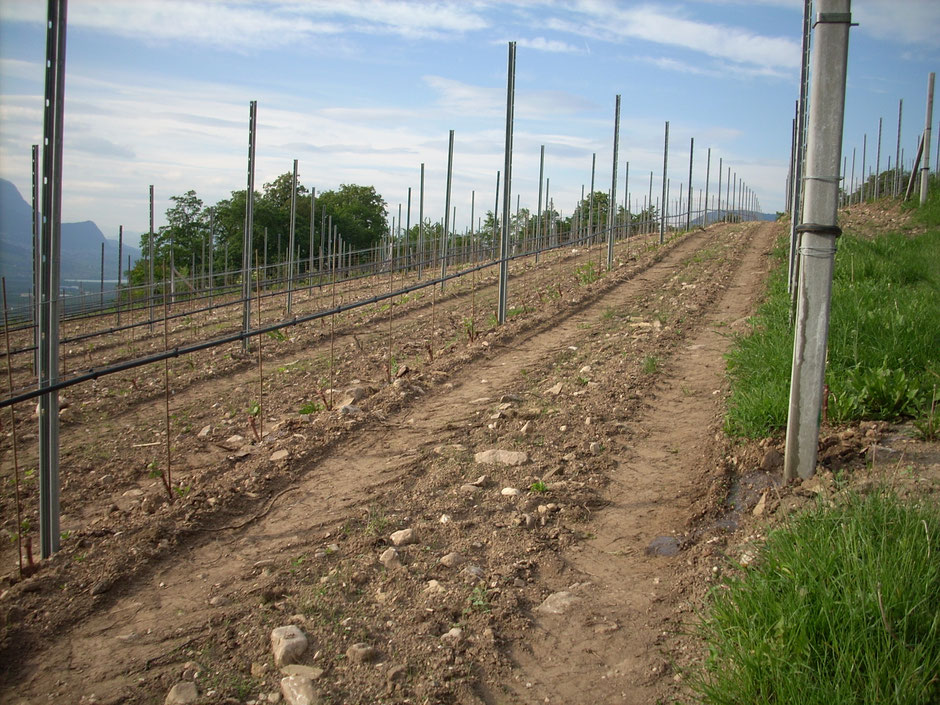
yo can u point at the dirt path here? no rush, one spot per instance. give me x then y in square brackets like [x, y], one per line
[141, 633]
[604, 647]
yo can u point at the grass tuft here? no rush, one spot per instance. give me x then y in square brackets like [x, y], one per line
[883, 338]
[842, 606]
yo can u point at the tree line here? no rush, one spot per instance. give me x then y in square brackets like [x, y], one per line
[195, 232]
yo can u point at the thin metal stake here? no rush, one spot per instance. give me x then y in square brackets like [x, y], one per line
[507, 187]
[445, 232]
[612, 203]
[662, 216]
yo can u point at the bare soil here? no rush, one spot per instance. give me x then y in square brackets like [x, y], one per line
[627, 507]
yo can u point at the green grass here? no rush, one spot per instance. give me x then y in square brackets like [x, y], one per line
[883, 338]
[841, 606]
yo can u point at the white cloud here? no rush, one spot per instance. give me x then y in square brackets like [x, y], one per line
[910, 21]
[611, 21]
[549, 45]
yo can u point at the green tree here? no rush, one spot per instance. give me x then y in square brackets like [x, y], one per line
[359, 213]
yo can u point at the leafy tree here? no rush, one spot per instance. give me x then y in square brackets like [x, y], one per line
[359, 214]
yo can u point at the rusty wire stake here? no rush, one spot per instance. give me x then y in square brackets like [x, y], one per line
[16, 465]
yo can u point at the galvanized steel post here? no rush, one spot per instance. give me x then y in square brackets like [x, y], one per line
[446, 230]
[818, 236]
[50, 262]
[708, 173]
[662, 216]
[507, 187]
[612, 204]
[290, 238]
[538, 215]
[248, 233]
[925, 165]
[688, 219]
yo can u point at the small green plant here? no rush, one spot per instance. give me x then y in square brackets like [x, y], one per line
[183, 490]
[650, 364]
[479, 599]
[586, 274]
[376, 521]
[277, 335]
[254, 408]
[311, 407]
[928, 425]
[583, 381]
[538, 486]
[64, 535]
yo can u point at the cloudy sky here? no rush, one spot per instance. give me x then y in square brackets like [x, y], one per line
[364, 91]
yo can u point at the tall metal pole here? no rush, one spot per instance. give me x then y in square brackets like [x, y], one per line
[538, 215]
[688, 219]
[117, 289]
[878, 162]
[925, 164]
[626, 198]
[662, 216]
[897, 154]
[798, 186]
[612, 204]
[591, 201]
[248, 233]
[720, 173]
[37, 270]
[819, 232]
[290, 238]
[507, 187]
[864, 155]
[446, 231]
[313, 212]
[708, 173]
[407, 227]
[50, 265]
[421, 223]
[152, 290]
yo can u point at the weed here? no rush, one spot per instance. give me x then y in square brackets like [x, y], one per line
[183, 490]
[277, 335]
[586, 274]
[650, 364]
[311, 407]
[538, 486]
[928, 425]
[479, 599]
[376, 522]
[840, 607]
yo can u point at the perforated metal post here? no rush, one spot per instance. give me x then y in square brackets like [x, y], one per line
[49, 311]
[925, 164]
[421, 223]
[818, 236]
[538, 215]
[662, 216]
[797, 194]
[151, 288]
[688, 217]
[612, 203]
[708, 173]
[248, 233]
[446, 230]
[37, 270]
[507, 187]
[290, 238]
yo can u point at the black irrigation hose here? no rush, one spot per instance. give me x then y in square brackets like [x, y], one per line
[178, 351]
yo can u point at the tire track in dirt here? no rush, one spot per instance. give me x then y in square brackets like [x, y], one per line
[168, 605]
[599, 649]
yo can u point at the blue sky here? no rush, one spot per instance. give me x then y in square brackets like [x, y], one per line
[157, 92]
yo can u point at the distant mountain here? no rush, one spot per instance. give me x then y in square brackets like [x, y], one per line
[81, 245]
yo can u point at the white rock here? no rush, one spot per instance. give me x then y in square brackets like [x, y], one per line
[279, 455]
[445, 519]
[451, 560]
[434, 587]
[298, 690]
[235, 440]
[510, 492]
[294, 669]
[404, 537]
[501, 457]
[204, 431]
[526, 427]
[453, 637]
[390, 559]
[556, 390]
[182, 694]
[557, 603]
[288, 645]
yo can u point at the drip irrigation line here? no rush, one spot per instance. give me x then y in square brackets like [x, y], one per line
[181, 350]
